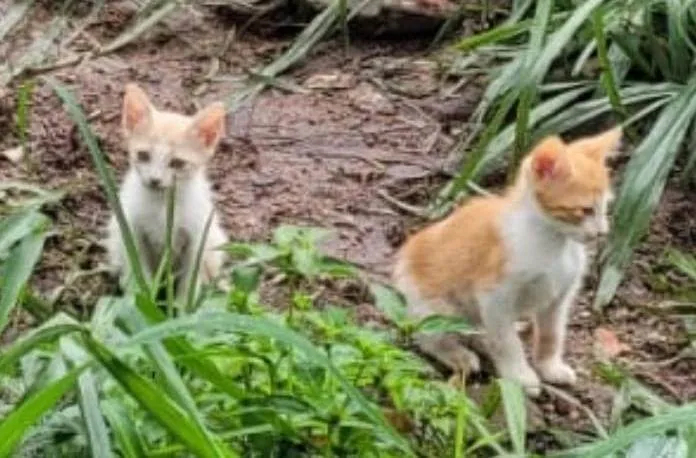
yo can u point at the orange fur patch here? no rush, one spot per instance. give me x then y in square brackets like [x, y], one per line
[460, 254]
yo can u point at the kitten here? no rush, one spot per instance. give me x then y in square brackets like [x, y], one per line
[498, 259]
[165, 148]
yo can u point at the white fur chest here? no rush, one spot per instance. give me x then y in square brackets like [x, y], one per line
[542, 263]
[146, 209]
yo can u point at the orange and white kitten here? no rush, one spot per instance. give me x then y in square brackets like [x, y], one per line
[166, 148]
[498, 259]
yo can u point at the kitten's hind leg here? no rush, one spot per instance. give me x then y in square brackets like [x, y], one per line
[212, 259]
[449, 351]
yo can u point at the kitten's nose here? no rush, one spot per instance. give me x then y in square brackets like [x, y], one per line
[155, 183]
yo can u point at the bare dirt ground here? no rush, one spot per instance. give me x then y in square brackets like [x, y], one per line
[361, 122]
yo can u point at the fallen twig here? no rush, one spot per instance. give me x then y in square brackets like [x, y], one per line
[657, 380]
[555, 391]
[413, 210]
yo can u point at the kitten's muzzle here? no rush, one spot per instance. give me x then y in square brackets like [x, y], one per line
[154, 183]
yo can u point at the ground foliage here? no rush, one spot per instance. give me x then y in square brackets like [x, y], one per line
[235, 377]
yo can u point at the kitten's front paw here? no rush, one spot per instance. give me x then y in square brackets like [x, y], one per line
[557, 372]
[527, 378]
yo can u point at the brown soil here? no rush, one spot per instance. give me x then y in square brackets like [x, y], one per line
[368, 119]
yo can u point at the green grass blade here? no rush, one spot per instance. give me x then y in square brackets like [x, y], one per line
[645, 177]
[163, 359]
[499, 89]
[620, 63]
[460, 438]
[141, 26]
[519, 9]
[171, 379]
[123, 429]
[515, 413]
[626, 436]
[590, 110]
[496, 35]
[685, 262]
[158, 404]
[23, 120]
[481, 154]
[29, 412]
[88, 398]
[40, 197]
[178, 348]
[607, 77]
[48, 332]
[97, 432]
[678, 44]
[658, 447]
[17, 270]
[193, 279]
[105, 175]
[165, 266]
[13, 15]
[656, 46]
[389, 302]
[529, 82]
[18, 225]
[39, 48]
[321, 26]
[629, 45]
[231, 322]
[582, 59]
[561, 37]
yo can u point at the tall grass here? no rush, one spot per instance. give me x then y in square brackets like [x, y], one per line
[578, 64]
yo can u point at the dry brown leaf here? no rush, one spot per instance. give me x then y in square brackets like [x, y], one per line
[399, 420]
[15, 154]
[608, 344]
[334, 80]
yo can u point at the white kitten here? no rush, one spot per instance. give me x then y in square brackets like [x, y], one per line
[164, 149]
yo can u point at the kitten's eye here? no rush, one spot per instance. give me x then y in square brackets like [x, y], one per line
[177, 164]
[143, 156]
[588, 211]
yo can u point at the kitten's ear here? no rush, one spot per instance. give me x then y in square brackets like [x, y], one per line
[209, 126]
[548, 159]
[137, 109]
[602, 146]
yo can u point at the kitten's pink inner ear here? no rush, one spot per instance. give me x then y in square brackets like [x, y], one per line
[136, 108]
[547, 160]
[209, 125]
